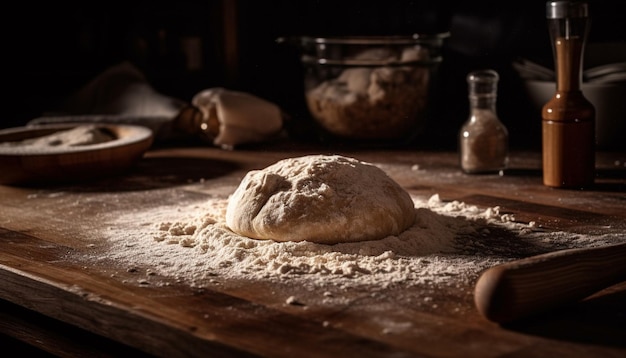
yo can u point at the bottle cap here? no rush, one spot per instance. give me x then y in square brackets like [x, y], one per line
[566, 9]
[483, 82]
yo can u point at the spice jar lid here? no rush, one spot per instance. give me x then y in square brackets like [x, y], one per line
[566, 9]
[483, 82]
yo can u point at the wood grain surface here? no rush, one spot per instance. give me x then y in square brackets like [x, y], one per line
[42, 227]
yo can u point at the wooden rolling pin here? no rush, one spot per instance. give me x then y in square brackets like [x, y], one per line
[521, 288]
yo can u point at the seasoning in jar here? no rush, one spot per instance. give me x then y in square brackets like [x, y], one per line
[483, 139]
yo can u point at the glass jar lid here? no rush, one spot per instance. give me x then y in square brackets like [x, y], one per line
[566, 9]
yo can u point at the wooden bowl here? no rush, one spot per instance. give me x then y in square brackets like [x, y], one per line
[48, 165]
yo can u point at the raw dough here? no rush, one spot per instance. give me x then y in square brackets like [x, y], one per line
[319, 198]
[382, 102]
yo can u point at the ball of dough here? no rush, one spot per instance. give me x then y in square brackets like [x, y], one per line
[319, 198]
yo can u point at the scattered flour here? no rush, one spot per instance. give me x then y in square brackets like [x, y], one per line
[77, 136]
[450, 243]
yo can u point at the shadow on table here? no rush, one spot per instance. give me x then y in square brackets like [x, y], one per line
[152, 173]
[596, 320]
[611, 180]
[607, 180]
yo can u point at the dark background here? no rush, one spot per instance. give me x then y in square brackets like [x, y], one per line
[52, 49]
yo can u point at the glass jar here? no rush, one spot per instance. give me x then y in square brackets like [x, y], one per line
[370, 89]
[483, 139]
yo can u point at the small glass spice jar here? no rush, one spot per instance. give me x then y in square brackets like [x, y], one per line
[483, 139]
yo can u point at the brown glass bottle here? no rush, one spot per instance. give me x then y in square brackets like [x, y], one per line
[568, 119]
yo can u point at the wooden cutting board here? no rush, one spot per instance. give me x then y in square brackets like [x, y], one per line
[43, 228]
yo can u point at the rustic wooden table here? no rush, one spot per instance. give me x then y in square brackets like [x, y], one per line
[70, 307]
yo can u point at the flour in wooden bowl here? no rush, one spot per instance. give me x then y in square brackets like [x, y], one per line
[78, 136]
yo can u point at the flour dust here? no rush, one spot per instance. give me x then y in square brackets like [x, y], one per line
[449, 244]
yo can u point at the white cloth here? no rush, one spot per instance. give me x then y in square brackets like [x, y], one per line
[242, 117]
